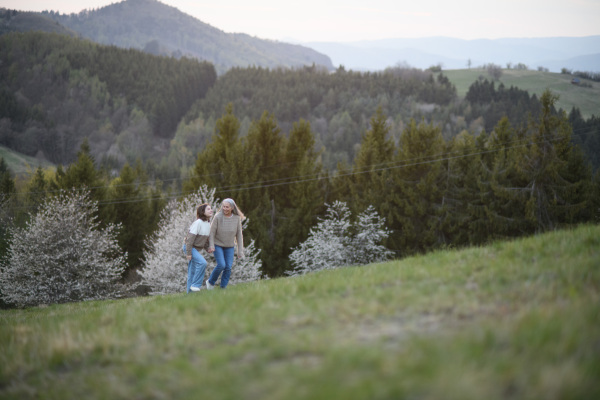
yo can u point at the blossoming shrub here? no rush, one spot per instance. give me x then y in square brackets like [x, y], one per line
[336, 241]
[62, 255]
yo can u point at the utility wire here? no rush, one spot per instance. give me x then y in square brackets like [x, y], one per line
[422, 160]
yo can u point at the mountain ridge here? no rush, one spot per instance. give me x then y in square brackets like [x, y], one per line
[554, 53]
[139, 23]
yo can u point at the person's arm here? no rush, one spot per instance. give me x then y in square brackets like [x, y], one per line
[240, 240]
[211, 236]
[189, 242]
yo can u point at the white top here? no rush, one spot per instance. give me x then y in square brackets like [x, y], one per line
[200, 227]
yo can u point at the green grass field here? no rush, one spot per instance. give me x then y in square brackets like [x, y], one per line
[535, 82]
[518, 320]
[21, 164]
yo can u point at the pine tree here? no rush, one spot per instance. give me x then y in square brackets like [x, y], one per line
[62, 255]
[418, 190]
[37, 188]
[82, 174]
[557, 178]
[462, 206]
[127, 207]
[217, 166]
[7, 183]
[502, 183]
[302, 194]
[370, 173]
[264, 166]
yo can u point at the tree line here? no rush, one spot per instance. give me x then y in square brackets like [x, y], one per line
[431, 192]
[57, 90]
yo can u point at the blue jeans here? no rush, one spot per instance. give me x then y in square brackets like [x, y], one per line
[196, 269]
[224, 257]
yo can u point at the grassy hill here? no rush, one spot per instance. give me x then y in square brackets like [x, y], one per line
[518, 319]
[586, 99]
[21, 164]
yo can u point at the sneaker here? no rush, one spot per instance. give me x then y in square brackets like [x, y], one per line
[209, 286]
[194, 288]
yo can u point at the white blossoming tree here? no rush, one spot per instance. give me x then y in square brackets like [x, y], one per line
[365, 245]
[62, 255]
[336, 241]
[165, 268]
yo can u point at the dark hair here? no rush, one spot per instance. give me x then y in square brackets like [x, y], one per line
[200, 212]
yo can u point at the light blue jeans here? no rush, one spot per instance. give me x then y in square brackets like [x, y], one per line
[196, 269]
[224, 258]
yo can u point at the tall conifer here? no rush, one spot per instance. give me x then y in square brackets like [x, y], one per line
[370, 174]
[418, 189]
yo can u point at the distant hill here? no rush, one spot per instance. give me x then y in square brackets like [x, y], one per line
[586, 99]
[576, 53]
[161, 29]
[17, 21]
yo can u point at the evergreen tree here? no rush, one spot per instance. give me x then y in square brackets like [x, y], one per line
[418, 191]
[370, 180]
[502, 178]
[218, 165]
[37, 188]
[539, 181]
[557, 178]
[263, 151]
[127, 206]
[7, 201]
[82, 174]
[301, 196]
[462, 206]
[7, 183]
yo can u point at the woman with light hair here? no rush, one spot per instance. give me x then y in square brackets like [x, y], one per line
[225, 231]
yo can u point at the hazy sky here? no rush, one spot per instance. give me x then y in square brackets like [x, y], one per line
[350, 20]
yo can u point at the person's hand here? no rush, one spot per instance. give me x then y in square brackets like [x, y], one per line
[189, 258]
[240, 256]
[211, 249]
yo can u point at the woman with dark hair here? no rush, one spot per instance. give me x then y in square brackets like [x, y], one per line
[196, 240]
[225, 231]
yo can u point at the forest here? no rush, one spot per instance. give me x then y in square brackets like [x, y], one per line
[138, 130]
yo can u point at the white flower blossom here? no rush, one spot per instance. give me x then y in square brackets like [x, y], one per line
[165, 266]
[335, 241]
[62, 255]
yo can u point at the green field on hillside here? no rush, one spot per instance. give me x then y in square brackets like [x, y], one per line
[21, 164]
[517, 319]
[586, 99]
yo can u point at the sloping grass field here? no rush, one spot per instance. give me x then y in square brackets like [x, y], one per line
[512, 320]
[21, 164]
[587, 99]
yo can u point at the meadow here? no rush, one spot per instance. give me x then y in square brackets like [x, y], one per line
[514, 319]
[535, 82]
[20, 164]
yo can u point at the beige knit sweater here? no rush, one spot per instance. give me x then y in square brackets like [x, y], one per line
[197, 237]
[226, 231]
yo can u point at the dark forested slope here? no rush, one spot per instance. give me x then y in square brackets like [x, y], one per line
[17, 21]
[55, 90]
